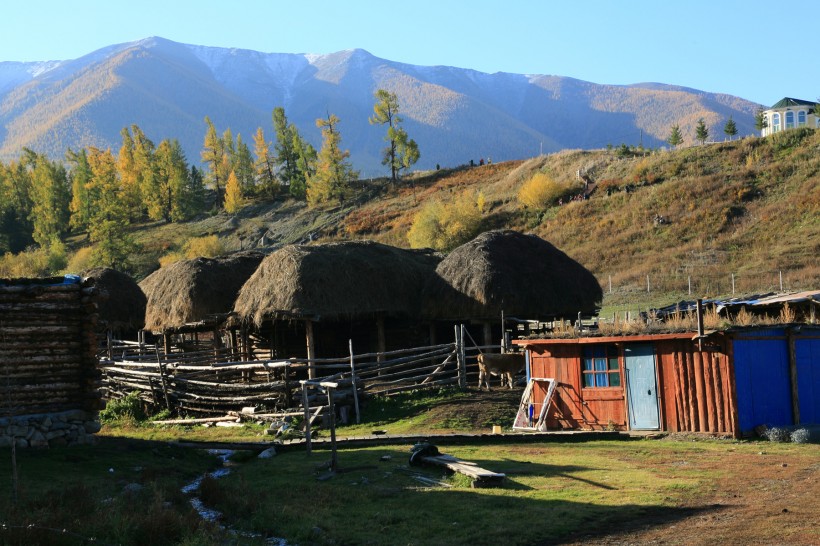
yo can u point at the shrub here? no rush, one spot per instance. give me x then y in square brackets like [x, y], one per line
[32, 262]
[128, 409]
[541, 192]
[444, 226]
[198, 247]
[80, 260]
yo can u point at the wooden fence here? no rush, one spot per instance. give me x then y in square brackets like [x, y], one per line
[218, 381]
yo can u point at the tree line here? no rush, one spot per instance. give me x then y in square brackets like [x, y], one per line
[100, 194]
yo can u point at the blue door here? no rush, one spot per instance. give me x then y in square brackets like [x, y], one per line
[642, 393]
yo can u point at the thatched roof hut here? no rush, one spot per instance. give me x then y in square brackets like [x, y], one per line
[121, 304]
[195, 290]
[522, 275]
[354, 279]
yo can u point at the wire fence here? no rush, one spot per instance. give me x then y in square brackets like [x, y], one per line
[702, 284]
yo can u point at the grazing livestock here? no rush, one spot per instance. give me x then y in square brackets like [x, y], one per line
[505, 365]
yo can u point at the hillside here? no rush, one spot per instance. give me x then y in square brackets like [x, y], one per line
[454, 114]
[748, 208]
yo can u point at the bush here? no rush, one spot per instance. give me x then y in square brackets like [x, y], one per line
[127, 409]
[541, 192]
[80, 260]
[444, 226]
[198, 247]
[32, 262]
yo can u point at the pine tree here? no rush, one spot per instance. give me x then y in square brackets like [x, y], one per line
[242, 165]
[331, 182]
[173, 185]
[730, 128]
[15, 208]
[80, 176]
[144, 167]
[701, 131]
[213, 155]
[233, 194]
[283, 149]
[263, 165]
[675, 137]
[401, 152]
[50, 201]
[129, 177]
[108, 229]
[760, 120]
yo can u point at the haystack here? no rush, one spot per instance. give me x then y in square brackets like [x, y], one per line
[347, 280]
[522, 275]
[121, 303]
[195, 290]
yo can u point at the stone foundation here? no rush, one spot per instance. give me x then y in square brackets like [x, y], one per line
[43, 430]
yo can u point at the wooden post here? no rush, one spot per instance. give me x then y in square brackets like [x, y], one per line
[462, 369]
[311, 349]
[163, 381]
[700, 393]
[334, 460]
[381, 340]
[503, 332]
[700, 323]
[306, 405]
[461, 379]
[488, 333]
[793, 376]
[353, 381]
[110, 345]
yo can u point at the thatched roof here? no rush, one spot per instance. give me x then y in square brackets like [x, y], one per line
[121, 305]
[522, 275]
[354, 279]
[195, 290]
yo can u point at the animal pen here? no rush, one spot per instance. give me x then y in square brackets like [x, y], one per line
[219, 382]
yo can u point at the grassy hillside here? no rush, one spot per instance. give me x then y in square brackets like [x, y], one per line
[699, 215]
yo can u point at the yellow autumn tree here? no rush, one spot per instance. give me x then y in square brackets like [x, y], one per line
[233, 195]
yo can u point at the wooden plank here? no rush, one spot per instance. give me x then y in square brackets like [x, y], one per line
[481, 477]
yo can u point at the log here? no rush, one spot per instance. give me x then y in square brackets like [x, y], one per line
[199, 421]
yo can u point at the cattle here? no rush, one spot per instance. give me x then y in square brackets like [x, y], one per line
[505, 365]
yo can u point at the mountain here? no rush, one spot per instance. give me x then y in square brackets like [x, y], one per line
[454, 114]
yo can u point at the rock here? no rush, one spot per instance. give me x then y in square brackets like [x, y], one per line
[54, 434]
[92, 426]
[132, 489]
[57, 442]
[38, 440]
[268, 453]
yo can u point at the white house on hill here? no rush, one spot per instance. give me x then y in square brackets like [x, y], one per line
[789, 113]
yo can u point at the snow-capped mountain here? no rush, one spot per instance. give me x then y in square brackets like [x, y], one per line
[454, 114]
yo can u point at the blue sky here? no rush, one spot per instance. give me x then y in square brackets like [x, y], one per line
[754, 49]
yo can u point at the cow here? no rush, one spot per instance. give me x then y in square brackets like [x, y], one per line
[505, 365]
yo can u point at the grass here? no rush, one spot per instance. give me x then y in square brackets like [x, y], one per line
[127, 489]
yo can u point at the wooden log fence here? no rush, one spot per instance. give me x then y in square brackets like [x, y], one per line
[211, 382]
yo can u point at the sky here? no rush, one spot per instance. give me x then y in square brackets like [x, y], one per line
[753, 49]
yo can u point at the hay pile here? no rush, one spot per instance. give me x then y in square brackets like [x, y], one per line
[121, 302]
[195, 290]
[522, 275]
[354, 279]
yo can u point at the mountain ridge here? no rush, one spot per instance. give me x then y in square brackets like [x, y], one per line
[455, 114]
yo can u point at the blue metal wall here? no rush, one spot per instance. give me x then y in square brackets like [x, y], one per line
[807, 356]
[761, 361]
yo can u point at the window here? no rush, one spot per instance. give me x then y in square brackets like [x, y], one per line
[600, 366]
[789, 119]
[801, 118]
[775, 122]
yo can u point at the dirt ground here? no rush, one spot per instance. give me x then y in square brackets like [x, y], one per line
[760, 493]
[758, 498]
